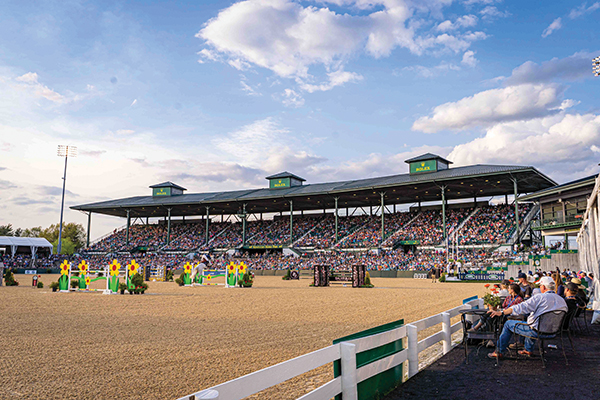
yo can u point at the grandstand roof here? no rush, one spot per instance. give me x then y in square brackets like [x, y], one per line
[576, 184]
[167, 184]
[285, 174]
[461, 183]
[427, 156]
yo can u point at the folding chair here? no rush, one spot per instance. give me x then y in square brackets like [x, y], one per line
[550, 325]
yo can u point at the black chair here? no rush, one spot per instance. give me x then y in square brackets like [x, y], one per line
[492, 332]
[581, 312]
[550, 325]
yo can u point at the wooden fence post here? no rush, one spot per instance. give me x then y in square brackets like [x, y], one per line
[413, 350]
[447, 329]
[349, 379]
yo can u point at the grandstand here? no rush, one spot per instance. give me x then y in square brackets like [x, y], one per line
[353, 215]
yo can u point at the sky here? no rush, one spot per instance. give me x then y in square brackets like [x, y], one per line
[217, 95]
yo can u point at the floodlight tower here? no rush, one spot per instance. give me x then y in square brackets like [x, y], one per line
[596, 66]
[66, 152]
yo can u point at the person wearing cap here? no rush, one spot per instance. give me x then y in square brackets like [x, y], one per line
[525, 286]
[545, 302]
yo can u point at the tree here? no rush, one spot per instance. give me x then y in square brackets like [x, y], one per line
[33, 232]
[6, 230]
[18, 232]
[68, 247]
[72, 231]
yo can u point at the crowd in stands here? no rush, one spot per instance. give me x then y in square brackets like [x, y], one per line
[323, 236]
[492, 224]
[428, 229]
[370, 234]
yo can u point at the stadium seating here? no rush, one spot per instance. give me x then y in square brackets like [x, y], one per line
[493, 224]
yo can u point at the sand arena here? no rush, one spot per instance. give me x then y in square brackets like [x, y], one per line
[174, 340]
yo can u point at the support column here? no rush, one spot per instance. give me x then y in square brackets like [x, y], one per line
[382, 217]
[516, 206]
[88, 230]
[566, 241]
[419, 206]
[127, 232]
[243, 224]
[207, 227]
[291, 222]
[168, 226]
[371, 211]
[336, 218]
[505, 199]
[394, 209]
[475, 201]
[444, 210]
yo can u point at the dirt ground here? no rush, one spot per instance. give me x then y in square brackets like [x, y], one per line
[173, 341]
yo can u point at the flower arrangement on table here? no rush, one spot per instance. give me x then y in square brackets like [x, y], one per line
[491, 299]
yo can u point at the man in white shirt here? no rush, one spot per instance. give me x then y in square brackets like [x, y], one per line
[546, 301]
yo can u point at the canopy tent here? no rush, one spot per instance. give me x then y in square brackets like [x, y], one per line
[33, 243]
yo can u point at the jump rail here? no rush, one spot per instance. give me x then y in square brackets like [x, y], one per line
[346, 383]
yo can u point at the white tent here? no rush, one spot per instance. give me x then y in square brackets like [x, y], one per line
[33, 243]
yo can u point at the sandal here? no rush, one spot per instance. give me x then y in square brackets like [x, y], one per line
[525, 353]
[495, 355]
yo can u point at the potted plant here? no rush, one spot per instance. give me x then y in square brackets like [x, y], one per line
[75, 283]
[491, 298]
[40, 285]
[169, 276]
[179, 280]
[54, 286]
[247, 279]
[122, 287]
[136, 282]
[368, 283]
[9, 278]
[287, 276]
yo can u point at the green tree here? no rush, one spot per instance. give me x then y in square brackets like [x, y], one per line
[68, 247]
[6, 230]
[32, 232]
[72, 231]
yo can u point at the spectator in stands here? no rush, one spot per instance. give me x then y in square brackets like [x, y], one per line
[547, 301]
[504, 292]
[560, 288]
[513, 298]
[526, 287]
[573, 302]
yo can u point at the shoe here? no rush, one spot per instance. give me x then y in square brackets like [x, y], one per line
[525, 353]
[472, 330]
[515, 346]
[495, 355]
[490, 344]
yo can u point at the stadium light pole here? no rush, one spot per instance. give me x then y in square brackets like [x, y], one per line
[596, 66]
[66, 152]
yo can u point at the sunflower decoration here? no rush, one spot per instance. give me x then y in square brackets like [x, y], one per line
[64, 268]
[208, 277]
[83, 267]
[242, 268]
[132, 267]
[114, 268]
[87, 281]
[232, 267]
[187, 267]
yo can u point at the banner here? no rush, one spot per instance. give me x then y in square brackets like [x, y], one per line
[563, 251]
[482, 277]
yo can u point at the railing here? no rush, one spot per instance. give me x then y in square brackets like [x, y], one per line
[347, 383]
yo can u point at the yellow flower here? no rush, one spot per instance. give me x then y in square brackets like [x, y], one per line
[64, 268]
[87, 281]
[208, 278]
[187, 267]
[132, 267]
[83, 267]
[242, 267]
[114, 268]
[232, 267]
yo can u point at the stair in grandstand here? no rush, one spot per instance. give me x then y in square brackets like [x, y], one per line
[322, 222]
[452, 235]
[223, 231]
[525, 224]
[390, 241]
[352, 231]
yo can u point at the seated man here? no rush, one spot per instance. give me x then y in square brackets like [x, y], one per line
[525, 286]
[547, 301]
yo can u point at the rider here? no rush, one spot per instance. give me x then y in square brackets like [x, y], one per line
[199, 269]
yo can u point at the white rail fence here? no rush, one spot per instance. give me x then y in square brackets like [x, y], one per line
[346, 384]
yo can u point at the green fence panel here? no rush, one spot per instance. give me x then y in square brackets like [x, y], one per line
[381, 384]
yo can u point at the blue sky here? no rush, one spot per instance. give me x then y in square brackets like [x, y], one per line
[217, 95]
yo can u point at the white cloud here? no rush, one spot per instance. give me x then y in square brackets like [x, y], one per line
[125, 132]
[560, 144]
[133, 103]
[492, 106]
[570, 68]
[554, 26]
[491, 12]
[292, 99]
[288, 38]
[583, 9]
[469, 59]
[30, 81]
[336, 78]
[464, 21]
[431, 72]
[250, 91]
